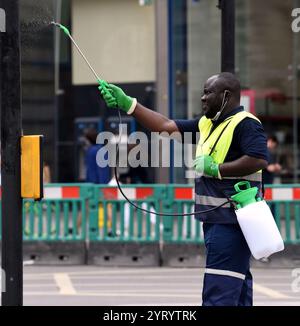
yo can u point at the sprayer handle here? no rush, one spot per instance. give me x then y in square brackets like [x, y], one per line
[245, 184]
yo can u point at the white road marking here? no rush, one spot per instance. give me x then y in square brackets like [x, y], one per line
[269, 292]
[146, 277]
[121, 271]
[171, 284]
[99, 285]
[109, 294]
[64, 284]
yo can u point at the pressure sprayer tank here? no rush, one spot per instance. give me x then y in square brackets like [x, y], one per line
[257, 222]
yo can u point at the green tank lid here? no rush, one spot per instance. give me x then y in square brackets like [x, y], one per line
[245, 194]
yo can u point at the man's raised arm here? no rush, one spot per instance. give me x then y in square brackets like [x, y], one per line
[115, 97]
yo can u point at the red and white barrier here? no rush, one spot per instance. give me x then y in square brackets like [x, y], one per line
[61, 192]
[282, 194]
[187, 193]
[130, 193]
[180, 193]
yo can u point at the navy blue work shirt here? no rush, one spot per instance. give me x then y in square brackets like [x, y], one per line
[249, 137]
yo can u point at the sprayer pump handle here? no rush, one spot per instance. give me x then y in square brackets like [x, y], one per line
[245, 184]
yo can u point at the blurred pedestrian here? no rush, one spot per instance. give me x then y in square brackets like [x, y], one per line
[270, 171]
[95, 173]
[273, 166]
[46, 173]
[98, 175]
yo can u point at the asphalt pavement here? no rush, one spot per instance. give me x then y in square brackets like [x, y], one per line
[103, 286]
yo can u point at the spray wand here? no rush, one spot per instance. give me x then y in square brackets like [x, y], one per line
[67, 32]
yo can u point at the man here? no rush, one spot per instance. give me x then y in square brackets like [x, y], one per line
[232, 148]
[273, 167]
[94, 173]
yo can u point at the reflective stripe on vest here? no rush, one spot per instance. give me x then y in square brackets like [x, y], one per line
[211, 201]
[251, 177]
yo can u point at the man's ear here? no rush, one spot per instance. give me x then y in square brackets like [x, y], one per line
[227, 95]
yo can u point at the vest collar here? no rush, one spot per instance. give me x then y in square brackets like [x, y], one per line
[231, 113]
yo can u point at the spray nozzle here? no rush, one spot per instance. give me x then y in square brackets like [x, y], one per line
[62, 27]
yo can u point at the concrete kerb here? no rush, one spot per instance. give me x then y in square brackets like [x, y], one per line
[55, 253]
[183, 255]
[104, 253]
[193, 255]
[288, 258]
[138, 254]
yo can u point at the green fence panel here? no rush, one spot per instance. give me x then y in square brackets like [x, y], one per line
[112, 218]
[60, 216]
[297, 220]
[284, 202]
[181, 229]
[286, 215]
[69, 211]
[186, 229]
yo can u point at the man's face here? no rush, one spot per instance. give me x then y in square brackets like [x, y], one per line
[212, 97]
[271, 144]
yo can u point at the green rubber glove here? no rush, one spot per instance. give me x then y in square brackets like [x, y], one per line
[206, 165]
[115, 97]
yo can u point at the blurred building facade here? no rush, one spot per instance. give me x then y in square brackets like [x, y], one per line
[160, 51]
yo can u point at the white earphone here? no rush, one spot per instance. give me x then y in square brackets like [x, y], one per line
[224, 103]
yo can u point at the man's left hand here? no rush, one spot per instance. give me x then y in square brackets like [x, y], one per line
[206, 165]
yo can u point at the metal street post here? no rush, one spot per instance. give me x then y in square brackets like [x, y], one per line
[228, 35]
[12, 260]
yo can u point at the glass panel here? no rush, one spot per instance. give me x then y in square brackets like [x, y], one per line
[267, 56]
[195, 56]
[267, 63]
[37, 49]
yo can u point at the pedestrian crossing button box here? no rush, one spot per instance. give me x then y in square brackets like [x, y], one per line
[32, 167]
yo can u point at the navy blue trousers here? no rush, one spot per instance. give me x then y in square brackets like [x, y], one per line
[227, 278]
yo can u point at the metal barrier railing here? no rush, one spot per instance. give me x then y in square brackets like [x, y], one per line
[180, 199]
[54, 220]
[286, 214]
[113, 219]
[183, 228]
[72, 212]
[61, 215]
[284, 201]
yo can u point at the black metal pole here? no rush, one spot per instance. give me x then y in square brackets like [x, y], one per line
[228, 35]
[12, 258]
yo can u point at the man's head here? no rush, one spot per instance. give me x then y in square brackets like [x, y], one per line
[91, 135]
[272, 142]
[221, 93]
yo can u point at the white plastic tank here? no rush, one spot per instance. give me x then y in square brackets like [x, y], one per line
[257, 222]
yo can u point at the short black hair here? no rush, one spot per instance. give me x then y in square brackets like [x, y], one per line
[91, 135]
[273, 138]
[231, 83]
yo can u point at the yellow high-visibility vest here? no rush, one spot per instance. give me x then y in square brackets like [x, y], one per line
[217, 143]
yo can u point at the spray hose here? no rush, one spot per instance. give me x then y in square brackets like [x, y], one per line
[67, 32]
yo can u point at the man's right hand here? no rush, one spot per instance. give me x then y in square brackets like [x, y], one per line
[115, 97]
